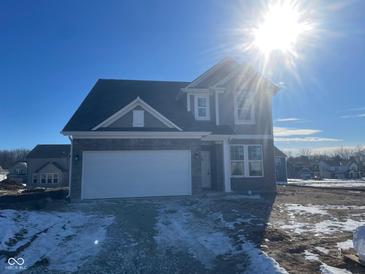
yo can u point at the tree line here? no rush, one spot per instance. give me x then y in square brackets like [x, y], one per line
[9, 157]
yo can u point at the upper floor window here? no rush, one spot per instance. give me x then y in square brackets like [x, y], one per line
[138, 118]
[244, 110]
[202, 107]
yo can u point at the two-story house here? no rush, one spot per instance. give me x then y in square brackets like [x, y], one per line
[132, 138]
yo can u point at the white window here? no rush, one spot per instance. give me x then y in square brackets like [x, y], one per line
[202, 107]
[35, 178]
[43, 178]
[246, 161]
[49, 178]
[243, 109]
[138, 118]
[55, 178]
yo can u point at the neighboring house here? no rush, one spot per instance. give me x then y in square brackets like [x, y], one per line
[303, 167]
[132, 138]
[18, 173]
[280, 166]
[48, 166]
[3, 174]
[339, 169]
[353, 170]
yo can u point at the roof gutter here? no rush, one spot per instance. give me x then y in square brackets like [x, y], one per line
[134, 134]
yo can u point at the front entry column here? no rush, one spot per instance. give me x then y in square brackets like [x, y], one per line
[226, 166]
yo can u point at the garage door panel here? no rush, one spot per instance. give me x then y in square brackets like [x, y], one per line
[112, 174]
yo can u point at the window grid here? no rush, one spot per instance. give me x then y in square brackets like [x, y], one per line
[247, 161]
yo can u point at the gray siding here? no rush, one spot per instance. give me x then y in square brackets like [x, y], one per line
[80, 145]
[36, 163]
[263, 114]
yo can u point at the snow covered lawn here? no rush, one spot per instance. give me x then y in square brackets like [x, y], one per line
[62, 240]
[300, 231]
[328, 183]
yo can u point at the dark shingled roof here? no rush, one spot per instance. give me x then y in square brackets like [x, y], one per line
[50, 151]
[109, 96]
[278, 152]
[50, 163]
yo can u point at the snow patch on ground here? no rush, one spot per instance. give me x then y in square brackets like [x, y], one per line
[326, 269]
[328, 183]
[345, 245]
[311, 256]
[327, 227]
[178, 229]
[322, 250]
[65, 239]
[310, 209]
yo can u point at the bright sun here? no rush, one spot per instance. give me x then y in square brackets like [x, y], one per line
[282, 25]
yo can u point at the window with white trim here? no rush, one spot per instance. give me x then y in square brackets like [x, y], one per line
[202, 107]
[138, 118]
[246, 161]
[35, 178]
[243, 109]
[50, 178]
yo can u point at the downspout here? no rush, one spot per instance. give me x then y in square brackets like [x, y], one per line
[70, 169]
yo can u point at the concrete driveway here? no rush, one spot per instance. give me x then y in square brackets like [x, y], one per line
[214, 233]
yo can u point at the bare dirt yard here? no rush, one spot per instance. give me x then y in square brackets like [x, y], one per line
[301, 230]
[310, 229]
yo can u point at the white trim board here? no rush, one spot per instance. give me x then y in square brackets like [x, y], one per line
[137, 102]
[210, 71]
[134, 134]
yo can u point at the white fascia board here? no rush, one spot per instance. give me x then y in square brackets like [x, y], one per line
[207, 73]
[137, 102]
[203, 90]
[222, 137]
[135, 134]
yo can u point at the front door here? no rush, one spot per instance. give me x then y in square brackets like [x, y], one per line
[206, 173]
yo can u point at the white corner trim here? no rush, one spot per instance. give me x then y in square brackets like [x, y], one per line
[135, 134]
[188, 102]
[137, 102]
[70, 169]
[207, 73]
[227, 166]
[216, 100]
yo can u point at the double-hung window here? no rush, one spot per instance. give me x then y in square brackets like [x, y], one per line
[243, 109]
[202, 107]
[246, 161]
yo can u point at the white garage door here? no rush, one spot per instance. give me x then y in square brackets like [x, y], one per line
[135, 173]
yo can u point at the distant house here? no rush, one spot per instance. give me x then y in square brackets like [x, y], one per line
[280, 165]
[48, 166]
[339, 169]
[3, 174]
[18, 172]
[303, 167]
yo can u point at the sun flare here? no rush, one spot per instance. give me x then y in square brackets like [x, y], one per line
[282, 25]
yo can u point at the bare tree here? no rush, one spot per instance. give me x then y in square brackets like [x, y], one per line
[9, 157]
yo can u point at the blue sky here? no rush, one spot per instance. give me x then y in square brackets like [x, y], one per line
[52, 52]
